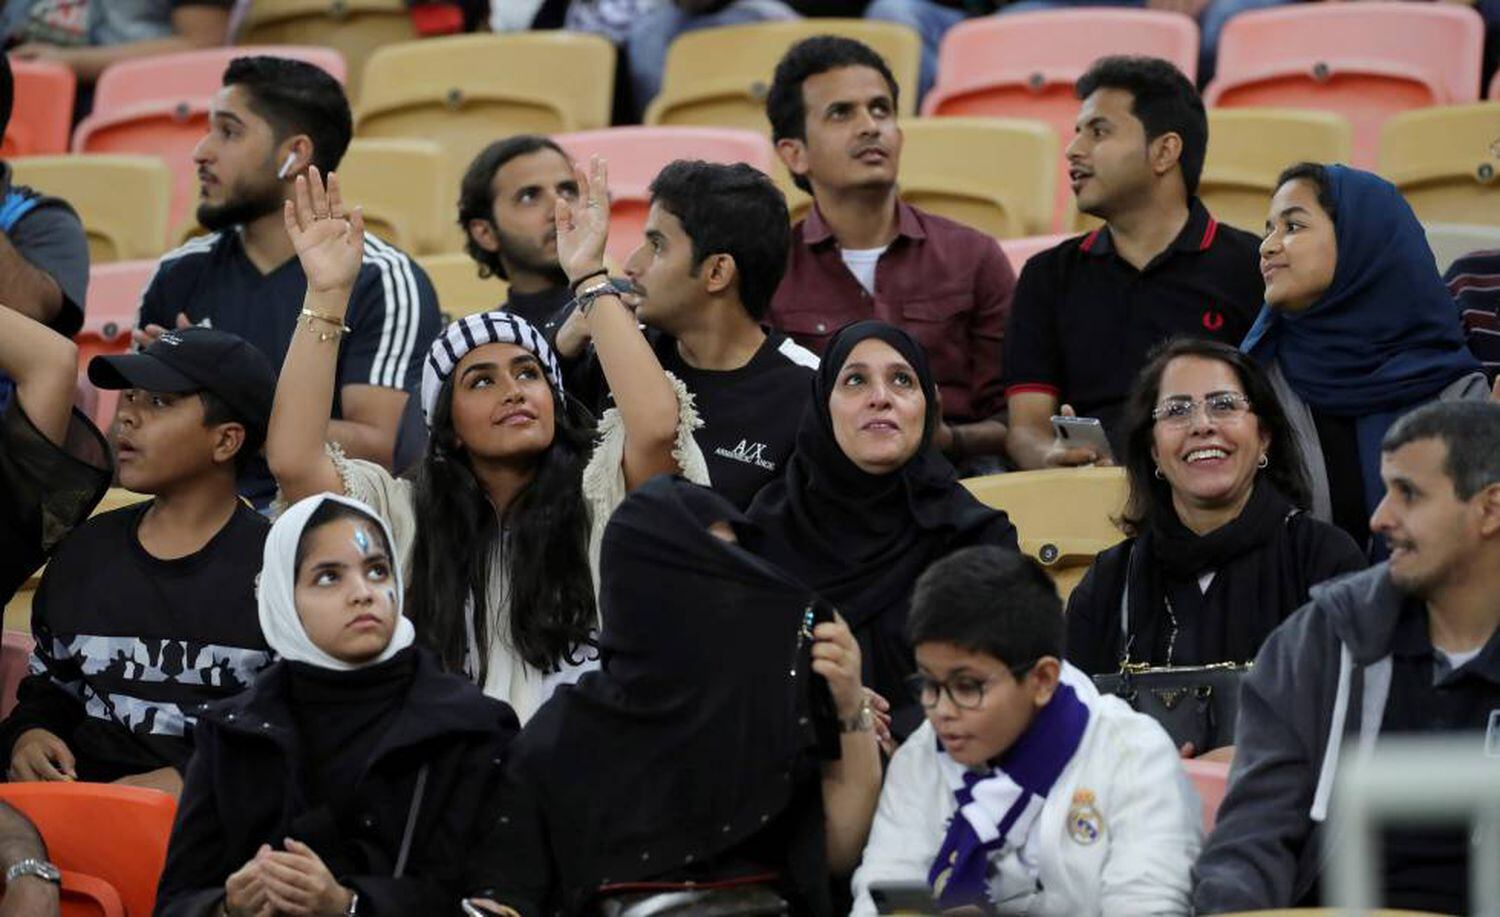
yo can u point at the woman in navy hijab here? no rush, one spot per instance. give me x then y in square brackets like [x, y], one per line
[1357, 329]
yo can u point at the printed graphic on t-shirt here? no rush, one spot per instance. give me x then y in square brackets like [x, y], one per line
[751, 453]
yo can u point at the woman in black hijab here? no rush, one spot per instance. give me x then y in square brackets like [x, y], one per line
[867, 503]
[724, 742]
[1222, 548]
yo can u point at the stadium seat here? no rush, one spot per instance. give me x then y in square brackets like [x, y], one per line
[1365, 61]
[122, 200]
[1019, 251]
[15, 657]
[114, 835]
[720, 77]
[1444, 161]
[1249, 147]
[42, 112]
[994, 174]
[1211, 780]
[1025, 65]
[460, 289]
[1451, 241]
[114, 301]
[159, 106]
[636, 154]
[468, 91]
[400, 184]
[353, 28]
[1064, 516]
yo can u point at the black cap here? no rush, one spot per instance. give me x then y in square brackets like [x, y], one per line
[197, 360]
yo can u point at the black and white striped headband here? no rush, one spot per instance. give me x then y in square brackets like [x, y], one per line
[472, 331]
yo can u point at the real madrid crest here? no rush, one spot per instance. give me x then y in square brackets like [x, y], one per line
[1085, 824]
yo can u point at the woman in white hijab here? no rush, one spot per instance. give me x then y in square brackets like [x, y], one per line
[351, 778]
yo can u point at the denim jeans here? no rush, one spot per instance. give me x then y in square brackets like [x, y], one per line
[652, 34]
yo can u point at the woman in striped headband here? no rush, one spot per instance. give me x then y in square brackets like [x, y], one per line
[497, 528]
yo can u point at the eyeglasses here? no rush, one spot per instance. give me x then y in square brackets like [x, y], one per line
[1221, 406]
[966, 692]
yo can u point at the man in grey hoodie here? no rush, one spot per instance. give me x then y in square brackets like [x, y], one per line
[1407, 646]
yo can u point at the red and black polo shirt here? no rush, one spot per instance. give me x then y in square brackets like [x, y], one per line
[1084, 319]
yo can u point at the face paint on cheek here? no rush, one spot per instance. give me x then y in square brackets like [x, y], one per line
[390, 596]
[362, 542]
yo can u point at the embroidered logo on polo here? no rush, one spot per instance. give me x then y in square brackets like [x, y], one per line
[1085, 824]
[1213, 320]
[749, 453]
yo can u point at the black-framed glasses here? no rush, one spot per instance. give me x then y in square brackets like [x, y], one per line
[965, 691]
[1220, 406]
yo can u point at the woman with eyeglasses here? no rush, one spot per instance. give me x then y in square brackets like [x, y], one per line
[1220, 547]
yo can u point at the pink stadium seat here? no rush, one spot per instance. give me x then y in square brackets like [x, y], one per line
[159, 106]
[1211, 780]
[1025, 65]
[1019, 251]
[15, 656]
[636, 154]
[1365, 61]
[114, 299]
[42, 113]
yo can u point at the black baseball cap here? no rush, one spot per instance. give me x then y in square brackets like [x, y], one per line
[197, 360]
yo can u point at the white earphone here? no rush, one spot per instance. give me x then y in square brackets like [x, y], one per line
[286, 167]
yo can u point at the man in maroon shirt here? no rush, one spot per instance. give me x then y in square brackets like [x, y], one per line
[863, 253]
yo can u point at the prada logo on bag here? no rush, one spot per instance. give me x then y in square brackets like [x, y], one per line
[1170, 697]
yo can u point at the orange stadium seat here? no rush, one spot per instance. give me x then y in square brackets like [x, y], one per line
[1025, 65]
[159, 106]
[112, 840]
[42, 113]
[636, 154]
[15, 658]
[114, 300]
[1019, 251]
[1365, 61]
[353, 28]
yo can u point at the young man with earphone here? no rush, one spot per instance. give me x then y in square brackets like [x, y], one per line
[273, 118]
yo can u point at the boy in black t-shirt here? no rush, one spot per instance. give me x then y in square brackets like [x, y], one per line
[716, 246]
[147, 612]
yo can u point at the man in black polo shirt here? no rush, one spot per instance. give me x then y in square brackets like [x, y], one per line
[1088, 311]
[273, 119]
[1408, 646]
[716, 246]
[505, 208]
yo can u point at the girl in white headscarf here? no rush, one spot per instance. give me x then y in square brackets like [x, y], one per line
[352, 776]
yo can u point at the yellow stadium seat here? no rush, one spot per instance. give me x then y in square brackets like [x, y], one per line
[460, 289]
[400, 184]
[122, 200]
[354, 28]
[719, 77]
[467, 91]
[1444, 161]
[994, 174]
[1328, 912]
[1064, 516]
[1249, 147]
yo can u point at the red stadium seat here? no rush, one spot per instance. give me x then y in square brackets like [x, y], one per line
[114, 299]
[1211, 780]
[42, 113]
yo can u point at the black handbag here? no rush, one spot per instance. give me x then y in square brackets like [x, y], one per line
[1195, 704]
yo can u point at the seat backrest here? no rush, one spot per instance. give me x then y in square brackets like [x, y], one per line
[1248, 148]
[42, 112]
[115, 833]
[114, 301]
[994, 174]
[122, 200]
[1064, 516]
[353, 28]
[15, 658]
[466, 91]
[1019, 251]
[185, 77]
[1443, 160]
[400, 184]
[1451, 241]
[460, 289]
[1365, 61]
[719, 77]
[636, 154]
[1211, 780]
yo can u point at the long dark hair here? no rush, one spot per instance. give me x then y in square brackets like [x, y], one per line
[546, 529]
[1149, 494]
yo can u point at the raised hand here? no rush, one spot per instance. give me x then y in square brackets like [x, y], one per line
[582, 228]
[329, 239]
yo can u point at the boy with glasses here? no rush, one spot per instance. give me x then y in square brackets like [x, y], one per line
[1025, 791]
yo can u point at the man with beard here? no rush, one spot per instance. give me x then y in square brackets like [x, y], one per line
[273, 120]
[505, 208]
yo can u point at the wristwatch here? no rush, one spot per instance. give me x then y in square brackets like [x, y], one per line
[31, 866]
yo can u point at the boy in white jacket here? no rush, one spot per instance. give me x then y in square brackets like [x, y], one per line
[1025, 791]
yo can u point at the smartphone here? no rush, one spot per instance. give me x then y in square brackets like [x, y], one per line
[1082, 433]
[902, 898]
